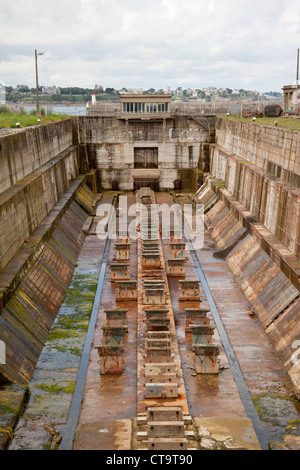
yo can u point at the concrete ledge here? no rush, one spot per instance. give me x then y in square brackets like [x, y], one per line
[25, 258]
[284, 258]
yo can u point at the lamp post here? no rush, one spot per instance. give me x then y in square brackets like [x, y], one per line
[37, 81]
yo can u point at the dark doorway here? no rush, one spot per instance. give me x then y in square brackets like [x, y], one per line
[146, 157]
[152, 183]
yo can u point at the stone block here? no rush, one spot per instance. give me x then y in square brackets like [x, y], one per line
[165, 443]
[158, 324]
[161, 368]
[119, 272]
[158, 354]
[126, 290]
[158, 390]
[122, 251]
[168, 377]
[175, 267]
[189, 290]
[154, 296]
[164, 414]
[165, 429]
[196, 316]
[116, 318]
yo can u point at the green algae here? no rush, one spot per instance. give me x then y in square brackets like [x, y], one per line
[55, 389]
[277, 410]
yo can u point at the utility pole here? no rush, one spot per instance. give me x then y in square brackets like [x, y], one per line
[37, 81]
[297, 77]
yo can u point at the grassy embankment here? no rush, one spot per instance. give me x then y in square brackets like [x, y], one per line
[286, 122]
[10, 120]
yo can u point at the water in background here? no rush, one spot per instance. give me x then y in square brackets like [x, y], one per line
[65, 110]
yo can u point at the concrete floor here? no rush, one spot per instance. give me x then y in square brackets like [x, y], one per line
[209, 397]
[110, 404]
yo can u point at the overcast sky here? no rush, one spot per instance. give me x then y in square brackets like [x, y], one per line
[249, 44]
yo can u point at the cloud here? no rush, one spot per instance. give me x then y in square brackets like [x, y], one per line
[150, 43]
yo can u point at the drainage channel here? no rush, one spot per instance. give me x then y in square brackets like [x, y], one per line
[234, 365]
[67, 432]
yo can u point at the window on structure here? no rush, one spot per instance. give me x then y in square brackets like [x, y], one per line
[191, 157]
[146, 157]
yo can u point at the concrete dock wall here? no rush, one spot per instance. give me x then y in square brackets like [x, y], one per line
[111, 145]
[262, 145]
[29, 309]
[26, 204]
[24, 151]
[274, 203]
[271, 296]
[252, 205]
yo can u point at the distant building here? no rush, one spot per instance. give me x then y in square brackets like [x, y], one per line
[291, 98]
[51, 90]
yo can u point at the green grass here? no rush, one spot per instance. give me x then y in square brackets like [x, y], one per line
[9, 120]
[286, 122]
